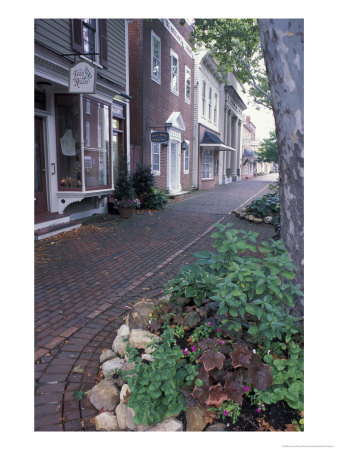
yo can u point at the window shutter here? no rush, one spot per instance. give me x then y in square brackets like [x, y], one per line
[77, 43]
[103, 43]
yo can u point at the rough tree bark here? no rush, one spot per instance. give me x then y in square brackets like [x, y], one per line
[282, 42]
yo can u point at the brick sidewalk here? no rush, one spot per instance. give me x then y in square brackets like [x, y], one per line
[86, 280]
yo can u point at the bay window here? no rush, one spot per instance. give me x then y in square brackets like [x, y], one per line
[96, 143]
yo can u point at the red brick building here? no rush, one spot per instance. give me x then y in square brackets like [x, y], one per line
[161, 85]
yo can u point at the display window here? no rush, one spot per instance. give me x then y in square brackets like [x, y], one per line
[96, 148]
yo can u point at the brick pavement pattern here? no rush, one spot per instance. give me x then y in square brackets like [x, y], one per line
[87, 280]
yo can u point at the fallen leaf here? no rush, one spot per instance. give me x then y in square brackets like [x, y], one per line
[77, 369]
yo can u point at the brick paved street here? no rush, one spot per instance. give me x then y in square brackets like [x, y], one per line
[85, 281]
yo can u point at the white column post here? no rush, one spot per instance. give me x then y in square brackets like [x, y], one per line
[239, 146]
[234, 154]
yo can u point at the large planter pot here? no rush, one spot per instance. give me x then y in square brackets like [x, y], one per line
[126, 213]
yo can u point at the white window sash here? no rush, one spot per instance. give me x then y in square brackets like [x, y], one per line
[174, 89]
[154, 77]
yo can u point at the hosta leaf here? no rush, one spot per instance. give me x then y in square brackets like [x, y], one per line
[259, 375]
[212, 359]
[241, 357]
[217, 395]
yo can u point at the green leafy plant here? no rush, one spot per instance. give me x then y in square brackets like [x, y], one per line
[124, 187]
[267, 205]
[299, 425]
[228, 409]
[178, 331]
[201, 332]
[79, 394]
[192, 282]
[155, 387]
[155, 199]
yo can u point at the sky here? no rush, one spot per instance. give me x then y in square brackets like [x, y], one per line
[262, 118]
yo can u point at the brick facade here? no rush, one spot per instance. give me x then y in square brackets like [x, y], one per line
[153, 102]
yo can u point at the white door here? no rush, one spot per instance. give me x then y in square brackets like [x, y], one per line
[174, 166]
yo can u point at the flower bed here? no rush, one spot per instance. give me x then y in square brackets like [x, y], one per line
[221, 349]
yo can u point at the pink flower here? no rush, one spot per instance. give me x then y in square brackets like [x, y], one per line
[225, 412]
[221, 342]
[193, 348]
[259, 410]
[185, 351]
[246, 389]
[218, 330]
[210, 323]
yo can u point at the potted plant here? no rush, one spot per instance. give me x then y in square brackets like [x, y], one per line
[125, 196]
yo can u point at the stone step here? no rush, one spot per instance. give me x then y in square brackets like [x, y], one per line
[49, 220]
[53, 230]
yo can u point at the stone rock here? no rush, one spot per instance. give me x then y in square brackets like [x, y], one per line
[258, 220]
[246, 217]
[218, 426]
[192, 319]
[124, 393]
[106, 421]
[121, 411]
[147, 357]
[141, 338]
[167, 425]
[107, 354]
[267, 219]
[124, 330]
[139, 316]
[105, 395]
[251, 218]
[119, 345]
[242, 215]
[195, 419]
[109, 366]
[130, 413]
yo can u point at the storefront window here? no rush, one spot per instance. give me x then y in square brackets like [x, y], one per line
[96, 144]
[68, 125]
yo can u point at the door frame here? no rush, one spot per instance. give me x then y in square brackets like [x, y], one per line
[40, 198]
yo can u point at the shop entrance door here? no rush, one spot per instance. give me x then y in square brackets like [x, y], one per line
[174, 167]
[40, 194]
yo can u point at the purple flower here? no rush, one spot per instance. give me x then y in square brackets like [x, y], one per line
[246, 389]
[259, 410]
[193, 348]
[221, 342]
[185, 351]
[225, 412]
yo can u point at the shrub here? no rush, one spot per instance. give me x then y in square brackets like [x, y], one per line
[143, 180]
[156, 199]
[268, 205]
[124, 187]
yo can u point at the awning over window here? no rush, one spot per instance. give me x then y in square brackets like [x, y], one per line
[211, 141]
[249, 154]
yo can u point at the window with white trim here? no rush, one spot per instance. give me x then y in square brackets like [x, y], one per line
[204, 88]
[215, 108]
[187, 84]
[155, 158]
[186, 157]
[207, 163]
[174, 72]
[155, 58]
[210, 104]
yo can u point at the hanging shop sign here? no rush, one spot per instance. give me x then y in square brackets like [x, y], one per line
[82, 78]
[117, 110]
[159, 136]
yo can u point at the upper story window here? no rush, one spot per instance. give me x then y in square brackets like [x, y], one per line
[215, 108]
[210, 104]
[174, 71]
[155, 58]
[204, 88]
[89, 38]
[187, 84]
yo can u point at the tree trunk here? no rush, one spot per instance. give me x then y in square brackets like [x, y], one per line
[282, 42]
